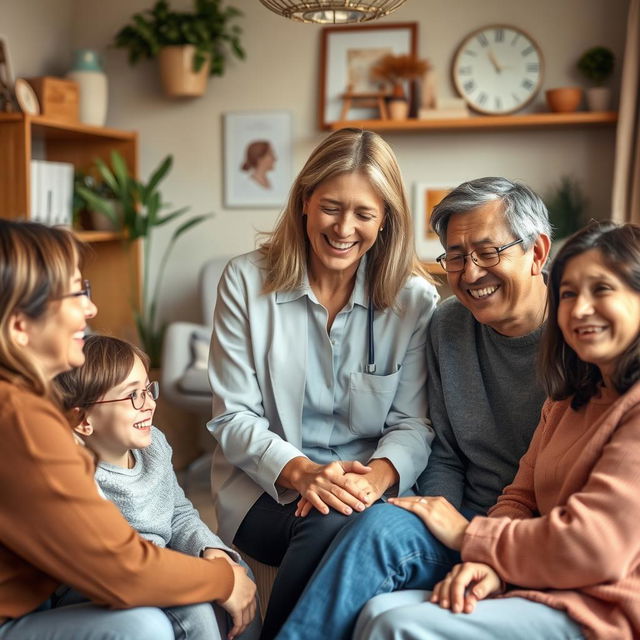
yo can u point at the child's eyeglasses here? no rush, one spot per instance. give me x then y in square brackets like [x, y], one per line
[137, 397]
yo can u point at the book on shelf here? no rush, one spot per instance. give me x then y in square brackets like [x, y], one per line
[52, 192]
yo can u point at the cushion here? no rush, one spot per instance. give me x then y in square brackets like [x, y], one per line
[195, 379]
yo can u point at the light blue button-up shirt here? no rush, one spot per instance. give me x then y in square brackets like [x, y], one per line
[331, 358]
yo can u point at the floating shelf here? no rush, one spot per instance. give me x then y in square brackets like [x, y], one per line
[478, 123]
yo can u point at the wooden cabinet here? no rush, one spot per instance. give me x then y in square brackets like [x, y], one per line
[112, 265]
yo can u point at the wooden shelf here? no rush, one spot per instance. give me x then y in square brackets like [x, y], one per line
[98, 236]
[479, 123]
[67, 130]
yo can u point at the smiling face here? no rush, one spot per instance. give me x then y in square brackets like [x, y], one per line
[112, 429]
[55, 339]
[598, 313]
[344, 215]
[510, 296]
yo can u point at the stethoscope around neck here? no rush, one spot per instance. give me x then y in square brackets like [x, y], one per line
[371, 363]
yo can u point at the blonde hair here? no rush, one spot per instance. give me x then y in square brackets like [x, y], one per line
[36, 265]
[391, 260]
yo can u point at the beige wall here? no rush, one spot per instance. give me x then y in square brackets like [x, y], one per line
[281, 72]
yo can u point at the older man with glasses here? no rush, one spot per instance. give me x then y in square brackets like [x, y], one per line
[484, 403]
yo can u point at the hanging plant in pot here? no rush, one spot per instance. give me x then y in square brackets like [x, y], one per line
[596, 64]
[396, 70]
[190, 46]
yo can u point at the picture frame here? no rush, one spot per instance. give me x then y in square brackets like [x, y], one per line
[346, 55]
[425, 197]
[257, 158]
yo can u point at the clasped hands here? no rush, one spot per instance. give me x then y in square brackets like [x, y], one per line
[345, 485]
[466, 583]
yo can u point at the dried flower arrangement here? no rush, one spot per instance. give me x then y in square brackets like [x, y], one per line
[395, 69]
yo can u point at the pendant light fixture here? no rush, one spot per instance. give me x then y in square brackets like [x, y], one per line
[332, 11]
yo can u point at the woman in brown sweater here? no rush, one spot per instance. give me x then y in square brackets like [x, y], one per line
[562, 540]
[54, 526]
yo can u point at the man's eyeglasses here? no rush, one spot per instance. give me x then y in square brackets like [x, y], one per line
[484, 257]
[137, 397]
[85, 291]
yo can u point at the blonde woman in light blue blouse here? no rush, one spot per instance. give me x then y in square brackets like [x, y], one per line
[318, 365]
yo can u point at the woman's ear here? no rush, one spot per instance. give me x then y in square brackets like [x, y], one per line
[18, 323]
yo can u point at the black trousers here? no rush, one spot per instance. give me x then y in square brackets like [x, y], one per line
[272, 534]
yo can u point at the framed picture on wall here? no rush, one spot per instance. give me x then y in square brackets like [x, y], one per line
[257, 158]
[425, 198]
[346, 57]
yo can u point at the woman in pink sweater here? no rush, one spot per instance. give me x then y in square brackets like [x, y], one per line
[561, 546]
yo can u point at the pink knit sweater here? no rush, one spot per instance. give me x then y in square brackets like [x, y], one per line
[567, 530]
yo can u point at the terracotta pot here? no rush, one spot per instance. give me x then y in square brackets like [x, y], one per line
[398, 108]
[177, 75]
[564, 99]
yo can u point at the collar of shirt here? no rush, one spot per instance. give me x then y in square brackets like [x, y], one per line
[358, 295]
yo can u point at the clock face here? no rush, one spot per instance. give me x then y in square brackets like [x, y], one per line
[498, 69]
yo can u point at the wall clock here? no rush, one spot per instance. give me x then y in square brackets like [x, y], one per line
[498, 69]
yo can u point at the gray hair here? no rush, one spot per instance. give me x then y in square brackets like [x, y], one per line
[525, 213]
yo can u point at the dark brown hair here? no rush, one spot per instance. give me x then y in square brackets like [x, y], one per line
[108, 361]
[36, 266]
[563, 373]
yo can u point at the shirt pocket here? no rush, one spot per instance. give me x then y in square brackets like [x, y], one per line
[370, 398]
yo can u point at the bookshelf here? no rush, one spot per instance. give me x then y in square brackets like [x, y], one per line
[112, 265]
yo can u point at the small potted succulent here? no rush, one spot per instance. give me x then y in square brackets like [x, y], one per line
[396, 70]
[567, 205]
[190, 45]
[596, 64]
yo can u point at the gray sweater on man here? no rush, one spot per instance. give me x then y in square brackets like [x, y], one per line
[484, 404]
[153, 502]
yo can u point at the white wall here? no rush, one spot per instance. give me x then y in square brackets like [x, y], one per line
[281, 71]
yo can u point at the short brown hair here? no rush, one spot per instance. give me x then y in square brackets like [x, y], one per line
[108, 361]
[36, 266]
[563, 373]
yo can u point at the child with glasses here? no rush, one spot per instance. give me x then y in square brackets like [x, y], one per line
[111, 402]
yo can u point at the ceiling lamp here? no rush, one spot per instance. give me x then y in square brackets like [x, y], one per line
[332, 11]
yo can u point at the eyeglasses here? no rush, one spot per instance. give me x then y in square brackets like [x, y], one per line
[137, 397]
[484, 257]
[85, 291]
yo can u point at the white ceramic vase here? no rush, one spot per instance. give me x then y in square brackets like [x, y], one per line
[93, 87]
[599, 98]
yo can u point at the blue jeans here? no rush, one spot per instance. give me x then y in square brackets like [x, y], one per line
[408, 615]
[89, 622]
[386, 549]
[272, 534]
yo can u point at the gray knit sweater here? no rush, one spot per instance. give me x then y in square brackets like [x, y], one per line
[153, 502]
[484, 404]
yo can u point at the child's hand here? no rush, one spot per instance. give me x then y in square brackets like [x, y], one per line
[241, 604]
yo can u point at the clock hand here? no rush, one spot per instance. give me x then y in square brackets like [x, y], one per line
[492, 56]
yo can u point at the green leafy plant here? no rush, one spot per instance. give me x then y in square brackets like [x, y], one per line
[83, 183]
[209, 28]
[566, 204]
[142, 207]
[596, 64]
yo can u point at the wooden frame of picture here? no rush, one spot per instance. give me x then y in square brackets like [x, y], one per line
[347, 53]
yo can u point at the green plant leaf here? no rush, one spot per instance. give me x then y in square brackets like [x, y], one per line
[159, 174]
[171, 216]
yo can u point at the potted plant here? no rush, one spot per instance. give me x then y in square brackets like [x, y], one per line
[190, 45]
[596, 64]
[566, 204]
[85, 216]
[395, 70]
[142, 205]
